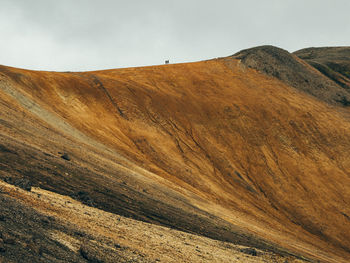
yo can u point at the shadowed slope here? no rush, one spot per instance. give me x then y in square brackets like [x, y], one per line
[41, 226]
[215, 142]
[295, 72]
[334, 62]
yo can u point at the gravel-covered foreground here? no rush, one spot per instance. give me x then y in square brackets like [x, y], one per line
[41, 226]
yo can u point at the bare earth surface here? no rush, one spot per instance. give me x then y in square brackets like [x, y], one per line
[248, 151]
[90, 234]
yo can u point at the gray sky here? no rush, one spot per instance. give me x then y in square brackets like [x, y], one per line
[99, 34]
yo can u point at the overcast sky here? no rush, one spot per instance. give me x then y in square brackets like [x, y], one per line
[99, 34]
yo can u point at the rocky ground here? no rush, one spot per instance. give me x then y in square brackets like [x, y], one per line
[42, 226]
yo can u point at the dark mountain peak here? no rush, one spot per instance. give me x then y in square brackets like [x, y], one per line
[270, 60]
[259, 50]
[333, 62]
[293, 70]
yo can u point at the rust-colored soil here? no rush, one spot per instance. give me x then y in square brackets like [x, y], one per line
[214, 148]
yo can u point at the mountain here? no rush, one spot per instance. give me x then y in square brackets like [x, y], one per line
[251, 150]
[326, 79]
[333, 62]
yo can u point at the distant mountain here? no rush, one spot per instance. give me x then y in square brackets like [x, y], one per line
[334, 62]
[330, 82]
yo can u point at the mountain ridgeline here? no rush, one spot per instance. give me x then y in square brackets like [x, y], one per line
[251, 149]
[327, 78]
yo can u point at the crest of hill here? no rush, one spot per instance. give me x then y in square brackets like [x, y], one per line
[214, 148]
[334, 62]
[321, 80]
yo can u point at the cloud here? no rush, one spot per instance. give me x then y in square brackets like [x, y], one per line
[87, 35]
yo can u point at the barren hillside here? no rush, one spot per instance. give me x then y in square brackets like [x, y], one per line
[251, 149]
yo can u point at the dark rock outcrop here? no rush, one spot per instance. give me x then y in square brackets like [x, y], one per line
[23, 183]
[249, 251]
[65, 156]
[84, 197]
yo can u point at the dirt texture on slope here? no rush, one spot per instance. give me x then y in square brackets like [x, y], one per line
[41, 226]
[234, 149]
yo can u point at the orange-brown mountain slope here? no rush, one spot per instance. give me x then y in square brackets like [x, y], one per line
[252, 149]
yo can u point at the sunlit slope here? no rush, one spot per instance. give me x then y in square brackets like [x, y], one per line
[252, 150]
